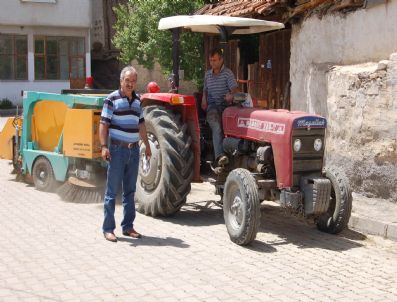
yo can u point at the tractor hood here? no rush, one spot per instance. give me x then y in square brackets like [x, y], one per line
[267, 125]
[211, 24]
[275, 127]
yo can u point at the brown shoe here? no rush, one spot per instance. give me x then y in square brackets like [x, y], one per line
[110, 237]
[132, 233]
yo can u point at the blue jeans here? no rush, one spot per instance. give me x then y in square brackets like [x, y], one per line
[122, 170]
[214, 119]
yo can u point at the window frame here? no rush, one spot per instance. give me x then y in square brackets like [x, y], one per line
[58, 56]
[40, 1]
[15, 56]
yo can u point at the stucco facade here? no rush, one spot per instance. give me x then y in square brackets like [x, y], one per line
[29, 20]
[337, 71]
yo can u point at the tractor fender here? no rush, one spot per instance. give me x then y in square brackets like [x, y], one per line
[173, 99]
[187, 108]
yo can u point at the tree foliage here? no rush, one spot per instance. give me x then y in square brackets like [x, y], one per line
[138, 38]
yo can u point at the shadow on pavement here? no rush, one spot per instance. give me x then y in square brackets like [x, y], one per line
[197, 214]
[287, 229]
[303, 234]
[154, 241]
[260, 246]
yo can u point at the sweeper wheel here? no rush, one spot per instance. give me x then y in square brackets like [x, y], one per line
[43, 175]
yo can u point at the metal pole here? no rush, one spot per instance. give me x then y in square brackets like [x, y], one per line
[175, 59]
[224, 39]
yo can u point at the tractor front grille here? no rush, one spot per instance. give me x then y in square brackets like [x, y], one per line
[307, 160]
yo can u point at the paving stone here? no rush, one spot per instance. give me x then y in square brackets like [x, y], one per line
[62, 255]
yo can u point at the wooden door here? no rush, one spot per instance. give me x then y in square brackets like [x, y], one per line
[273, 69]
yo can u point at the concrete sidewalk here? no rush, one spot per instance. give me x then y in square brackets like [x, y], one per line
[374, 216]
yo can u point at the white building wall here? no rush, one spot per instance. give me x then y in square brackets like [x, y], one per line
[11, 89]
[358, 37]
[61, 13]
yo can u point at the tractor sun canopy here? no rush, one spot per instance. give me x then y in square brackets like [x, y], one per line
[211, 24]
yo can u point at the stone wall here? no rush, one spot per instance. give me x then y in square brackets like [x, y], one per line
[330, 75]
[362, 132]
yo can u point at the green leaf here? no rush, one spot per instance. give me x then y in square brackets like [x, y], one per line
[138, 38]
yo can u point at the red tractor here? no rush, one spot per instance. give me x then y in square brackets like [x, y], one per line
[274, 154]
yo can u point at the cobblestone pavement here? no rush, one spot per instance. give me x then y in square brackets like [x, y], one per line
[51, 250]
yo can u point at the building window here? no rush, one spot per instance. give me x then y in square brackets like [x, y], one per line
[59, 58]
[13, 57]
[40, 1]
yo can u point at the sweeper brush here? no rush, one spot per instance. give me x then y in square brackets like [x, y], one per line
[81, 191]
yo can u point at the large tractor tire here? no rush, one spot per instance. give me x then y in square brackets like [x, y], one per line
[164, 181]
[43, 175]
[241, 206]
[339, 211]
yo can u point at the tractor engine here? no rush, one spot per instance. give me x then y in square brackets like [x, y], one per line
[250, 155]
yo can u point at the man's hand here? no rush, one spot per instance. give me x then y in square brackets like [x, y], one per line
[229, 97]
[204, 104]
[105, 153]
[148, 151]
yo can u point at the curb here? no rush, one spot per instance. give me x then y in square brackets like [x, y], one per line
[373, 227]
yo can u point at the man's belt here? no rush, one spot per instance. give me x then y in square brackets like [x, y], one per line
[124, 144]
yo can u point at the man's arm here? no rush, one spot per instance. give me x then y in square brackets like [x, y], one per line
[229, 96]
[103, 137]
[232, 86]
[143, 135]
[204, 103]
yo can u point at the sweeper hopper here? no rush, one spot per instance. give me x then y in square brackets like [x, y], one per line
[55, 143]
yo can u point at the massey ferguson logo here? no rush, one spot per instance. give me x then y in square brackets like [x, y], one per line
[310, 122]
[261, 125]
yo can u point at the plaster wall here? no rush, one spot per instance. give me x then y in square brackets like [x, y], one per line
[156, 74]
[362, 36]
[60, 13]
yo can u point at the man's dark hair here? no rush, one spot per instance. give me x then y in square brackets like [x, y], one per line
[216, 51]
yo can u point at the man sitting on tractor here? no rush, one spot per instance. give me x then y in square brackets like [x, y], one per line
[219, 87]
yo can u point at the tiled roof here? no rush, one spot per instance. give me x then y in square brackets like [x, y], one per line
[281, 10]
[239, 8]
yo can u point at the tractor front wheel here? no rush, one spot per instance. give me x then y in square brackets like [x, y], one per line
[241, 206]
[340, 207]
[164, 180]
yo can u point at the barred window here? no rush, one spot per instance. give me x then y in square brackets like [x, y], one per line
[59, 58]
[13, 57]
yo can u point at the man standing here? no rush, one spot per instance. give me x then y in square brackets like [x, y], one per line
[219, 88]
[123, 123]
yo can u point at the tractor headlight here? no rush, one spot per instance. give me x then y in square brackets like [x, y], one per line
[318, 144]
[297, 145]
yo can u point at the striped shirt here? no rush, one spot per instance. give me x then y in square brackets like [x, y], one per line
[217, 86]
[123, 116]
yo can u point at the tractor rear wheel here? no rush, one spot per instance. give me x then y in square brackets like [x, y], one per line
[241, 206]
[164, 181]
[340, 207]
[43, 175]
